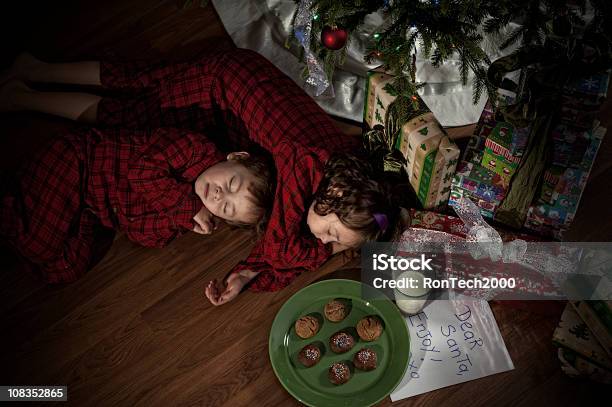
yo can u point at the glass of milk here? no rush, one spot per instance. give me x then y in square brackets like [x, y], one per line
[411, 299]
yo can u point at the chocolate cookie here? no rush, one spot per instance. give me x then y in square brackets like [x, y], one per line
[307, 327]
[309, 355]
[341, 342]
[365, 359]
[336, 310]
[369, 328]
[339, 373]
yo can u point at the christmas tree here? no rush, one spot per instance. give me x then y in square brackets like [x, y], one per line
[443, 28]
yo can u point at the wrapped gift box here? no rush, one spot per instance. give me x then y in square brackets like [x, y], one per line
[499, 164]
[597, 315]
[487, 208]
[581, 117]
[582, 98]
[591, 90]
[501, 137]
[574, 334]
[479, 181]
[498, 155]
[552, 175]
[572, 145]
[377, 98]
[575, 365]
[506, 140]
[556, 204]
[569, 145]
[462, 264]
[431, 157]
[484, 187]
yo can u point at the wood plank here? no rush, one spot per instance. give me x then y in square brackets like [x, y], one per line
[137, 330]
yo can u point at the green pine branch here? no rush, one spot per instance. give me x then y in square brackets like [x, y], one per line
[444, 28]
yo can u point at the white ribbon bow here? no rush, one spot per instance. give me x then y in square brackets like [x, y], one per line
[489, 241]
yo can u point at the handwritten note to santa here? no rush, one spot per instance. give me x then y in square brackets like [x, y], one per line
[452, 341]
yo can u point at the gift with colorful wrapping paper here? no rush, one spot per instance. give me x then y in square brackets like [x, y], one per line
[589, 90]
[483, 186]
[499, 164]
[480, 181]
[532, 200]
[487, 208]
[556, 202]
[431, 232]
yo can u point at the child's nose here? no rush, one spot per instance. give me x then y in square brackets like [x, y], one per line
[218, 194]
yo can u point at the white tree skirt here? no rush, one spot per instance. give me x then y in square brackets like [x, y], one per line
[263, 26]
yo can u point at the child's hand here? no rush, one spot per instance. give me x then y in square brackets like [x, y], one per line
[205, 222]
[232, 287]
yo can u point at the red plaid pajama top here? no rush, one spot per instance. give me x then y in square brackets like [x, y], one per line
[140, 182]
[242, 99]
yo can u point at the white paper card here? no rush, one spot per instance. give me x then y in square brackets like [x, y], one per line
[452, 341]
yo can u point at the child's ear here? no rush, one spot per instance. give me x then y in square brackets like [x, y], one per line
[237, 155]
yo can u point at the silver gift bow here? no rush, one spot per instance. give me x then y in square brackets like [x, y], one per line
[483, 241]
[302, 31]
[490, 244]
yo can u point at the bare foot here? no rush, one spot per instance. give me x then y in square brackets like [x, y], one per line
[25, 67]
[6, 76]
[11, 92]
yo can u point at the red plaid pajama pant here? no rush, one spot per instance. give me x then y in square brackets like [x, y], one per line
[238, 99]
[42, 214]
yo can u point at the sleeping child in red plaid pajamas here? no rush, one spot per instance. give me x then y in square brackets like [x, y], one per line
[325, 199]
[153, 185]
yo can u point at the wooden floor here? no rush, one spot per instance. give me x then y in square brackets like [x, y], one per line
[137, 329]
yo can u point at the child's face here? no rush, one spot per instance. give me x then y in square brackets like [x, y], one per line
[330, 229]
[224, 190]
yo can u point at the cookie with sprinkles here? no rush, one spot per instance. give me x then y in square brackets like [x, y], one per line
[339, 373]
[365, 359]
[341, 342]
[309, 355]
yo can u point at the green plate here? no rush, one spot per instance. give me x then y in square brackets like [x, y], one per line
[311, 385]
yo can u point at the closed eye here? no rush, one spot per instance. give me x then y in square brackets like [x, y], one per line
[238, 182]
[225, 208]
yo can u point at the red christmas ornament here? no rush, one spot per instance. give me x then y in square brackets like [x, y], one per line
[334, 38]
